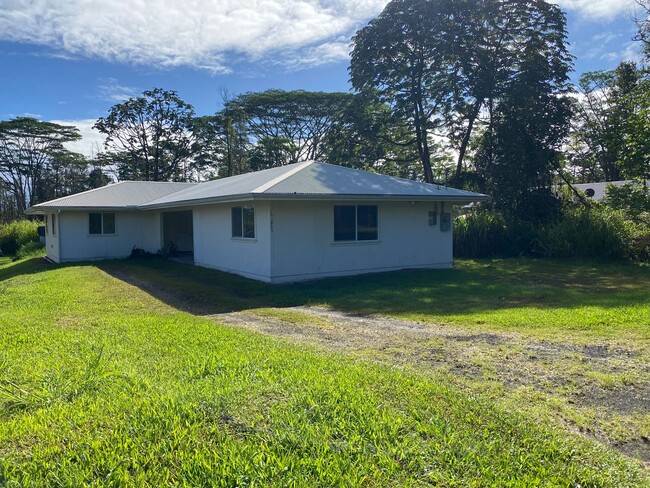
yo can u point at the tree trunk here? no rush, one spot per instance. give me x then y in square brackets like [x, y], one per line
[465, 142]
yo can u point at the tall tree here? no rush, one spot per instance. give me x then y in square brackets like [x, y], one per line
[367, 135]
[642, 21]
[67, 174]
[294, 123]
[29, 150]
[222, 145]
[151, 137]
[602, 122]
[521, 149]
[441, 63]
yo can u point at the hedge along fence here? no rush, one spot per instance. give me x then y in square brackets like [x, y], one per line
[17, 234]
[597, 232]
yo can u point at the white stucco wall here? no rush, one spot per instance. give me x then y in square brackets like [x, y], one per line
[214, 246]
[293, 240]
[140, 229]
[304, 248]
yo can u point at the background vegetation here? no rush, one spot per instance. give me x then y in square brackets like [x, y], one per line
[477, 97]
[19, 237]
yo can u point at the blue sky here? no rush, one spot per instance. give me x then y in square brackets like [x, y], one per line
[71, 60]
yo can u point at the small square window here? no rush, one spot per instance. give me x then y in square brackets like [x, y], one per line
[355, 223]
[101, 223]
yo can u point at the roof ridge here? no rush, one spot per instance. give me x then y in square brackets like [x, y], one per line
[158, 182]
[278, 179]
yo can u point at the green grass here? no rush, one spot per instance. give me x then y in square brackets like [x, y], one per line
[580, 299]
[102, 384]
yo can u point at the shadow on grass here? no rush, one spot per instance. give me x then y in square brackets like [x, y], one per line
[473, 286]
[28, 266]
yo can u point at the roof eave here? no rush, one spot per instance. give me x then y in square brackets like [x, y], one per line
[457, 199]
[40, 210]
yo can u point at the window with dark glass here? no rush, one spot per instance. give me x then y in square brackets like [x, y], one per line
[243, 222]
[366, 222]
[101, 223]
[53, 224]
[355, 223]
[344, 223]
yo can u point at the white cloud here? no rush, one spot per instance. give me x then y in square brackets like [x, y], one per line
[210, 34]
[606, 37]
[91, 142]
[206, 34]
[598, 9]
[111, 91]
[326, 53]
[629, 52]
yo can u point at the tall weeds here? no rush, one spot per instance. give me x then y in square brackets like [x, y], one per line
[17, 234]
[597, 232]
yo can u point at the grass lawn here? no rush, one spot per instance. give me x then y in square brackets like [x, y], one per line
[109, 384]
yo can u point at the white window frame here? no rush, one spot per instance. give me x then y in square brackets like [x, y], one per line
[102, 233]
[241, 209]
[356, 224]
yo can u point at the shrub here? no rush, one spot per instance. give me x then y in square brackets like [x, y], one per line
[482, 234]
[597, 232]
[633, 199]
[593, 232]
[31, 249]
[16, 234]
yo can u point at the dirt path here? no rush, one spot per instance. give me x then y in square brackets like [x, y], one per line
[598, 389]
[601, 390]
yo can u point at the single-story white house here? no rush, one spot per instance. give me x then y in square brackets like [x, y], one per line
[297, 222]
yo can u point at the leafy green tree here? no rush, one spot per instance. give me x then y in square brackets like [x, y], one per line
[30, 151]
[151, 137]
[367, 135]
[271, 152]
[296, 120]
[221, 145]
[522, 148]
[603, 123]
[8, 209]
[67, 174]
[635, 163]
[642, 21]
[634, 198]
[440, 63]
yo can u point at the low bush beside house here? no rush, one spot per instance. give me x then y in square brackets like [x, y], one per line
[580, 232]
[17, 234]
[31, 249]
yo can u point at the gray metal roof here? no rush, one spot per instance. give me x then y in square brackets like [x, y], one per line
[122, 195]
[312, 180]
[302, 181]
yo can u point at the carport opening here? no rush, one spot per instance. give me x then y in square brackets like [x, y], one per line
[178, 234]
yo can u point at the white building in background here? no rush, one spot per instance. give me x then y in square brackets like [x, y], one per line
[598, 191]
[297, 222]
